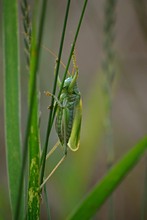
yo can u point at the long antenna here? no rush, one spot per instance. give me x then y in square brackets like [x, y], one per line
[54, 55]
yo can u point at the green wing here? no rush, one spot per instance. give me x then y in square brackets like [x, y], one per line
[74, 140]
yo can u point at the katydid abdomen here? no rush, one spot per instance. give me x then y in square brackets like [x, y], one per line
[66, 114]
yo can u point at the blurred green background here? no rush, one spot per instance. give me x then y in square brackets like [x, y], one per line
[83, 169]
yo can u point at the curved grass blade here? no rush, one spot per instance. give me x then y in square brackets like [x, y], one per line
[12, 99]
[88, 207]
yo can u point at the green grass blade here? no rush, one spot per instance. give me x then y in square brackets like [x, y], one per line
[70, 56]
[43, 159]
[73, 44]
[35, 57]
[12, 95]
[108, 184]
[34, 148]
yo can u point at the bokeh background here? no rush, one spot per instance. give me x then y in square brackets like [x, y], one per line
[81, 170]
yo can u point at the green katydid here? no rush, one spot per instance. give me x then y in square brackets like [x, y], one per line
[68, 114]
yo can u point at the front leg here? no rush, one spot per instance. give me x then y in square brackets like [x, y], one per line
[47, 93]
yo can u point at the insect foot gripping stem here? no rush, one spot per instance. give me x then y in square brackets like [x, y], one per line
[47, 93]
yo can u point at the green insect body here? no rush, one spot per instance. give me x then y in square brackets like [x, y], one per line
[69, 114]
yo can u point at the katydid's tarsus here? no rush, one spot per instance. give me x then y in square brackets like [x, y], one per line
[68, 115]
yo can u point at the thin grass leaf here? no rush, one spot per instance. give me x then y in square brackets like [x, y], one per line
[12, 99]
[47, 203]
[35, 54]
[98, 195]
[53, 111]
[34, 148]
[73, 44]
[70, 55]
[50, 121]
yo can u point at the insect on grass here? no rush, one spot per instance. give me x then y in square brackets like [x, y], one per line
[68, 114]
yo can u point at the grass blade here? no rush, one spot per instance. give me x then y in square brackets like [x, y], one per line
[108, 184]
[34, 148]
[35, 53]
[12, 101]
[43, 159]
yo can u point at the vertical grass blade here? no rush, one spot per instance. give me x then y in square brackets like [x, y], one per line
[34, 148]
[43, 159]
[34, 154]
[33, 141]
[73, 44]
[108, 184]
[12, 95]
[70, 55]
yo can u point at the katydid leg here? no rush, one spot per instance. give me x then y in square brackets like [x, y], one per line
[52, 150]
[52, 172]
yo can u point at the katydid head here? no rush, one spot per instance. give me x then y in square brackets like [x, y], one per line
[67, 82]
[70, 85]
